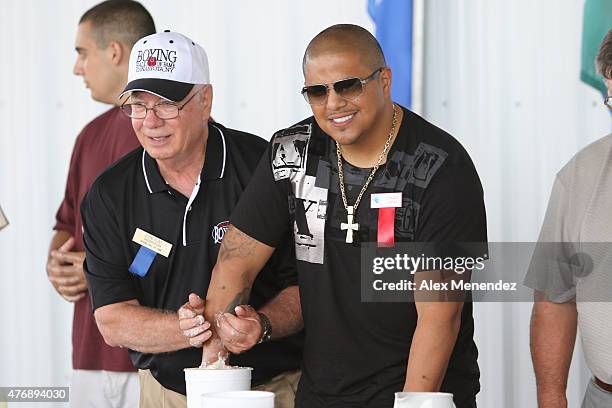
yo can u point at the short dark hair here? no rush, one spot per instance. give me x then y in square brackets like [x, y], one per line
[603, 62]
[347, 37]
[125, 21]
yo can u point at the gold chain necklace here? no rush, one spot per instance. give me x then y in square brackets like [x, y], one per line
[351, 210]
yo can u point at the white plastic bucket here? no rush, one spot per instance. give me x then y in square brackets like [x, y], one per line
[202, 381]
[238, 399]
[423, 400]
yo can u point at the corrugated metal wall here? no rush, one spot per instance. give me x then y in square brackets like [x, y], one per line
[501, 76]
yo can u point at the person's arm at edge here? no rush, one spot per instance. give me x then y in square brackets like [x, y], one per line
[131, 325]
[434, 338]
[552, 337]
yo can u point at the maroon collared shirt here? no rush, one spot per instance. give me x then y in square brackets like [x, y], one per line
[104, 140]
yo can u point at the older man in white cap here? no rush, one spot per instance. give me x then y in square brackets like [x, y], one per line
[154, 222]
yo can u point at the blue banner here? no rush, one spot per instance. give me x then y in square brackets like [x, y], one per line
[393, 19]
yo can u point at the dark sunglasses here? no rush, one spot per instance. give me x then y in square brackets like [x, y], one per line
[349, 88]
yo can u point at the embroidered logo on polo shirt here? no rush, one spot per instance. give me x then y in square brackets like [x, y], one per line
[219, 230]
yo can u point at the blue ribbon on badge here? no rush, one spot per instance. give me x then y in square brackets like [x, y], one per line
[141, 264]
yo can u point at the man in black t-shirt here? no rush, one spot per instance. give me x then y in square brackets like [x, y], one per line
[323, 180]
[154, 221]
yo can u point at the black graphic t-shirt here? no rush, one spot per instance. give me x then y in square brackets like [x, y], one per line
[356, 352]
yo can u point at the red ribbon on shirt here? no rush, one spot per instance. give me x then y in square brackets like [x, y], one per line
[386, 223]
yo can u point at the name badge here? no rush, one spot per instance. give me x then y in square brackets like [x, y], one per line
[386, 200]
[150, 246]
[150, 241]
[386, 204]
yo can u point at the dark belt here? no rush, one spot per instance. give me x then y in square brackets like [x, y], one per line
[603, 385]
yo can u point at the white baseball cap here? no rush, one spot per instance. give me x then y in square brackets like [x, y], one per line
[168, 65]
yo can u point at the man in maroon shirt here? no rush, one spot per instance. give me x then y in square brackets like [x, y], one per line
[103, 376]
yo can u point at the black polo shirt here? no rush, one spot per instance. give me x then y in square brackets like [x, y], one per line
[132, 194]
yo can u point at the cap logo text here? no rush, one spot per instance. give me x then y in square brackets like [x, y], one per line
[156, 59]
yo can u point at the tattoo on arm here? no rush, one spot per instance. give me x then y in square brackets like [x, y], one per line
[241, 298]
[235, 244]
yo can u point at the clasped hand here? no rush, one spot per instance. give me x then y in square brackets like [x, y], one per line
[235, 333]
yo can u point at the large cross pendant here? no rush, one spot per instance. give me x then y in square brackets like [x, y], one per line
[349, 225]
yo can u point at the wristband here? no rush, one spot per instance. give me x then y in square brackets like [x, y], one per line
[266, 328]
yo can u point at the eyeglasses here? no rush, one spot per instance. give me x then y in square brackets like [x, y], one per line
[608, 101]
[349, 88]
[163, 110]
